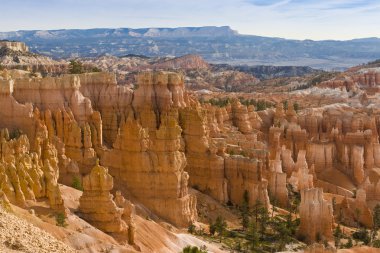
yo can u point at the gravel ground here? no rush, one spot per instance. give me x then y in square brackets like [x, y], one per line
[17, 235]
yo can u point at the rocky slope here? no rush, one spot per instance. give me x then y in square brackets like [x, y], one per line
[18, 235]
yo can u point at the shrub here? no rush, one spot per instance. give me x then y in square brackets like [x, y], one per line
[191, 228]
[75, 67]
[194, 249]
[261, 105]
[285, 104]
[349, 243]
[60, 220]
[212, 229]
[362, 235]
[76, 184]
[296, 106]
[376, 244]
[15, 134]
[96, 69]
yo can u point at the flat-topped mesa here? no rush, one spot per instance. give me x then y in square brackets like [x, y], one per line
[97, 205]
[316, 216]
[14, 45]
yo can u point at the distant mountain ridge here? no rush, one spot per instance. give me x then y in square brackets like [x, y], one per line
[215, 44]
[205, 31]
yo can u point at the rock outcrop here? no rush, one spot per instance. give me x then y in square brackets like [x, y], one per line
[14, 45]
[316, 216]
[98, 207]
[27, 175]
[149, 156]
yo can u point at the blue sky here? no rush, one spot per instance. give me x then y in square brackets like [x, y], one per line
[297, 19]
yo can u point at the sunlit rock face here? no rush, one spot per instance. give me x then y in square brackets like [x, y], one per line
[148, 151]
[27, 175]
[97, 205]
[14, 45]
[316, 215]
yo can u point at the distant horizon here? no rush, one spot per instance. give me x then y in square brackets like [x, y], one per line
[290, 19]
[177, 27]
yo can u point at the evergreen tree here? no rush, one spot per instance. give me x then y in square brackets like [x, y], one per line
[193, 249]
[75, 67]
[212, 228]
[95, 69]
[76, 184]
[191, 228]
[338, 234]
[285, 104]
[220, 226]
[362, 235]
[261, 105]
[296, 106]
[252, 237]
[244, 210]
[349, 243]
[376, 222]
[357, 217]
[261, 217]
[60, 220]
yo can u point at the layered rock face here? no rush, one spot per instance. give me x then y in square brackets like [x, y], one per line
[76, 130]
[231, 174]
[148, 151]
[316, 216]
[98, 207]
[26, 175]
[277, 183]
[203, 159]
[352, 81]
[111, 100]
[14, 45]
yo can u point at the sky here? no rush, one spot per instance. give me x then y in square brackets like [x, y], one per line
[292, 19]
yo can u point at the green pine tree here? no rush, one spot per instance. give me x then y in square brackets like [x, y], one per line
[244, 210]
